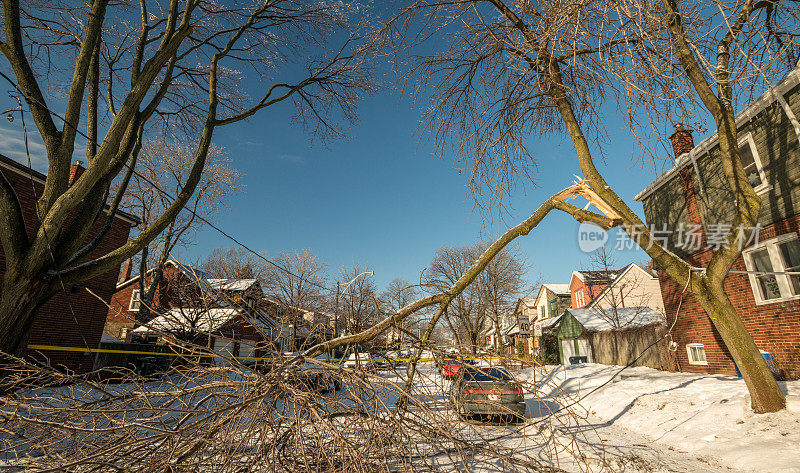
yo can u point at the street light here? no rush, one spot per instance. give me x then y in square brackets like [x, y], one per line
[338, 289]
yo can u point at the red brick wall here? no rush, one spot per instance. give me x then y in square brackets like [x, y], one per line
[774, 326]
[54, 323]
[589, 292]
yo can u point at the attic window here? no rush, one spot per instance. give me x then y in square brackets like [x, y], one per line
[696, 353]
[751, 163]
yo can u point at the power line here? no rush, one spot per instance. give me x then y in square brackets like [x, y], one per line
[163, 192]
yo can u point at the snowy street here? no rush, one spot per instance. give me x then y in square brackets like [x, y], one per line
[645, 420]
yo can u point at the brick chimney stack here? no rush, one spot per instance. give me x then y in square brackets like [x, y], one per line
[75, 172]
[125, 271]
[682, 141]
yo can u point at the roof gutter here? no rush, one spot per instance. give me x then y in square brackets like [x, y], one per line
[766, 99]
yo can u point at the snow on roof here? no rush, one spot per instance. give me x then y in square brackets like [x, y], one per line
[601, 320]
[550, 321]
[231, 284]
[198, 320]
[528, 301]
[558, 288]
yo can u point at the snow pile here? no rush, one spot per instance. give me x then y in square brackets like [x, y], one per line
[706, 415]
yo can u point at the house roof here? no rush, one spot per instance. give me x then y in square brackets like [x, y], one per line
[11, 164]
[231, 284]
[559, 289]
[550, 321]
[763, 101]
[200, 320]
[619, 277]
[597, 277]
[205, 320]
[192, 273]
[596, 320]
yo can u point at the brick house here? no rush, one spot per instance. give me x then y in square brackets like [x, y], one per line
[178, 282]
[54, 323]
[585, 286]
[180, 287]
[235, 313]
[692, 204]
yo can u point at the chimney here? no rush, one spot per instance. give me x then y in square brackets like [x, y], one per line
[125, 271]
[75, 172]
[682, 141]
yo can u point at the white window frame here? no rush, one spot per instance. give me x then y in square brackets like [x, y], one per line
[692, 361]
[777, 265]
[579, 299]
[764, 184]
[135, 296]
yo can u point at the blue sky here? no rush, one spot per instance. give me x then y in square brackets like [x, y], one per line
[382, 199]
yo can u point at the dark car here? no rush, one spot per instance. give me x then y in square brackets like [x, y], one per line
[487, 392]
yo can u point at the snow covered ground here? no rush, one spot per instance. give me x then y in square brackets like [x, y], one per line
[706, 416]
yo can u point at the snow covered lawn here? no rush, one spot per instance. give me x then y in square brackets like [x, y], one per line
[705, 415]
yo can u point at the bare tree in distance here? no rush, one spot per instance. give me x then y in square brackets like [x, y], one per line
[357, 307]
[499, 286]
[398, 294]
[630, 293]
[166, 166]
[234, 263]
[121, 72]
[296, 282]
[467, 314]
[512, 69]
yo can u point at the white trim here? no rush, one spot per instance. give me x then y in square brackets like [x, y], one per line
[784, 285]
[135, 295]
[19, 171]
[747, 113]
[789, 114]
[692, 361]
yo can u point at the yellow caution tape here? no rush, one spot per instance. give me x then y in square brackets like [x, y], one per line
[206, 355]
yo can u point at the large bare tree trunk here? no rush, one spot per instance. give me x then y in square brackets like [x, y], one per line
[766, 395]
[18, 302]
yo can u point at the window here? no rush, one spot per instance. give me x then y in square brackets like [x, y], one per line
[541, 313]
[790, 254]
[779, 255]
[136, 301]
[697, 354]
[752, 163]
[579, 300]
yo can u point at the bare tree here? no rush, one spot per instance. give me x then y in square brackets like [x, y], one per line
[397, 295]
[630, 293]
[467, 314]
[512, 69]
[357, 303]
[174, 68]
[166, 166]
[234, 263]
[296, 282]
[499, 285]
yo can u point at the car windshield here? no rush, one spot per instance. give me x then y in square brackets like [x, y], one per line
[491, 374]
